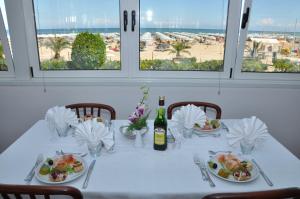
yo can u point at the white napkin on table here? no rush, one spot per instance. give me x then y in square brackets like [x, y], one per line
[92, 131]
[252, 129]
[188, 116]
[60, 117]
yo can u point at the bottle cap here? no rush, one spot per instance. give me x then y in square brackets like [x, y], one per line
[161, 100]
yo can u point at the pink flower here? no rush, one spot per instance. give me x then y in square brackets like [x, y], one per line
[133, 117]
[141, 109]
[138, 113]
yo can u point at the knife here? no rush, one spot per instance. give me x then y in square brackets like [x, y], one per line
[263, 173]
[86, 181]
[211, 183]
[202, 169]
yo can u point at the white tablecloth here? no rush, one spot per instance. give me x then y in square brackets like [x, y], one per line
[145, 173]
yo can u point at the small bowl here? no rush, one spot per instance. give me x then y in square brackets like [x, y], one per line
[132, 134]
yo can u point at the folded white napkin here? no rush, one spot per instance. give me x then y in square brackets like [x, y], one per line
[251, 129]
[59, 117]
[188, 116]
[94, 132]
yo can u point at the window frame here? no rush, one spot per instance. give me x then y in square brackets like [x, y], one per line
[238, 74]
[34, 54]
[232, 23]
[6, 49]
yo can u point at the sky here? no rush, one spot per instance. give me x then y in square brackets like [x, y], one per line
[267, 15]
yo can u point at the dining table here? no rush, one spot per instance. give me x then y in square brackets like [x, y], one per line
[128, 171]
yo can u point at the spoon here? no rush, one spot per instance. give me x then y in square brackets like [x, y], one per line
[216, 152]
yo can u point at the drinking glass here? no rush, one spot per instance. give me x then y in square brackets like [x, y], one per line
[62, 131]
[94, 148]
[247, 146]
[139, 141]
[187, 132]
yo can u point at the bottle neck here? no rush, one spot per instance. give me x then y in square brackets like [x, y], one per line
[161, 112]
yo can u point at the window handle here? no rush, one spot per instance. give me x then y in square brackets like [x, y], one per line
[245, 18]
[125, 18]
[132, 20]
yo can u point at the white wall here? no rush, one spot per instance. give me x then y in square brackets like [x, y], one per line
[22, 106]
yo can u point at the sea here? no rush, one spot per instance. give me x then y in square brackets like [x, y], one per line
[152, 30]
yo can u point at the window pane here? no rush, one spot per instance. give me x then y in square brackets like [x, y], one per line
[273, 41]
[182, 34]
[78, 34]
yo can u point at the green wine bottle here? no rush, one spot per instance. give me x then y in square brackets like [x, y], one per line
[160, 127]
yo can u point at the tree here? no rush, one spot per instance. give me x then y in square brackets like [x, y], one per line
[88, 51]
[57, 44]
[255, 48]
[179, 47]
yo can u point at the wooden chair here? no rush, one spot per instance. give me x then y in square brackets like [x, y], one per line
[205, 105]
[271, 194]
[31, 191]
[94, 108]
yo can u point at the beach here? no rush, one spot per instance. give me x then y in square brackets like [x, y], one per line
[203, 46]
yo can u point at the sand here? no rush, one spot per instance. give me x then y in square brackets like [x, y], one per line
[202, 52]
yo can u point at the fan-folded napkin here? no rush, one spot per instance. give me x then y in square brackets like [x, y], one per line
[250, 129]
[59, 117]
[188, 116]
[93, 132]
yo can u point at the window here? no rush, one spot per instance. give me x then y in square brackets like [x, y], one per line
[272, 44]
[163, 39]
[182, 35]
[78, 35]
[6, 63]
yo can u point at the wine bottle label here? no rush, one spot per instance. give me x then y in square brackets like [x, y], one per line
[159, 136]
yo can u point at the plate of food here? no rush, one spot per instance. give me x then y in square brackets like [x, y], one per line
[209, 126]
[90, 117]
[60, 169]
[232, 168]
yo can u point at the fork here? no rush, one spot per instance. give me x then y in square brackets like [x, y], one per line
[224, 126]
[30, 175]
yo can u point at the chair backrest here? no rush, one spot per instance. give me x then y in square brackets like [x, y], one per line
[91, 109]
[31, 191]
[271, 194]
[205, 105]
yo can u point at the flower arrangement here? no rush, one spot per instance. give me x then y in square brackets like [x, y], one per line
[138, 119]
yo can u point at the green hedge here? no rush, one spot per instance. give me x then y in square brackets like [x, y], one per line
[54, 64]
[184, 64]
[253, 65]
[284, 65]
[59, 64]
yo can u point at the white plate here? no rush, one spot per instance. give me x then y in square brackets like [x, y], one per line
[70, 177]
[254, 172]
[201, 131]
